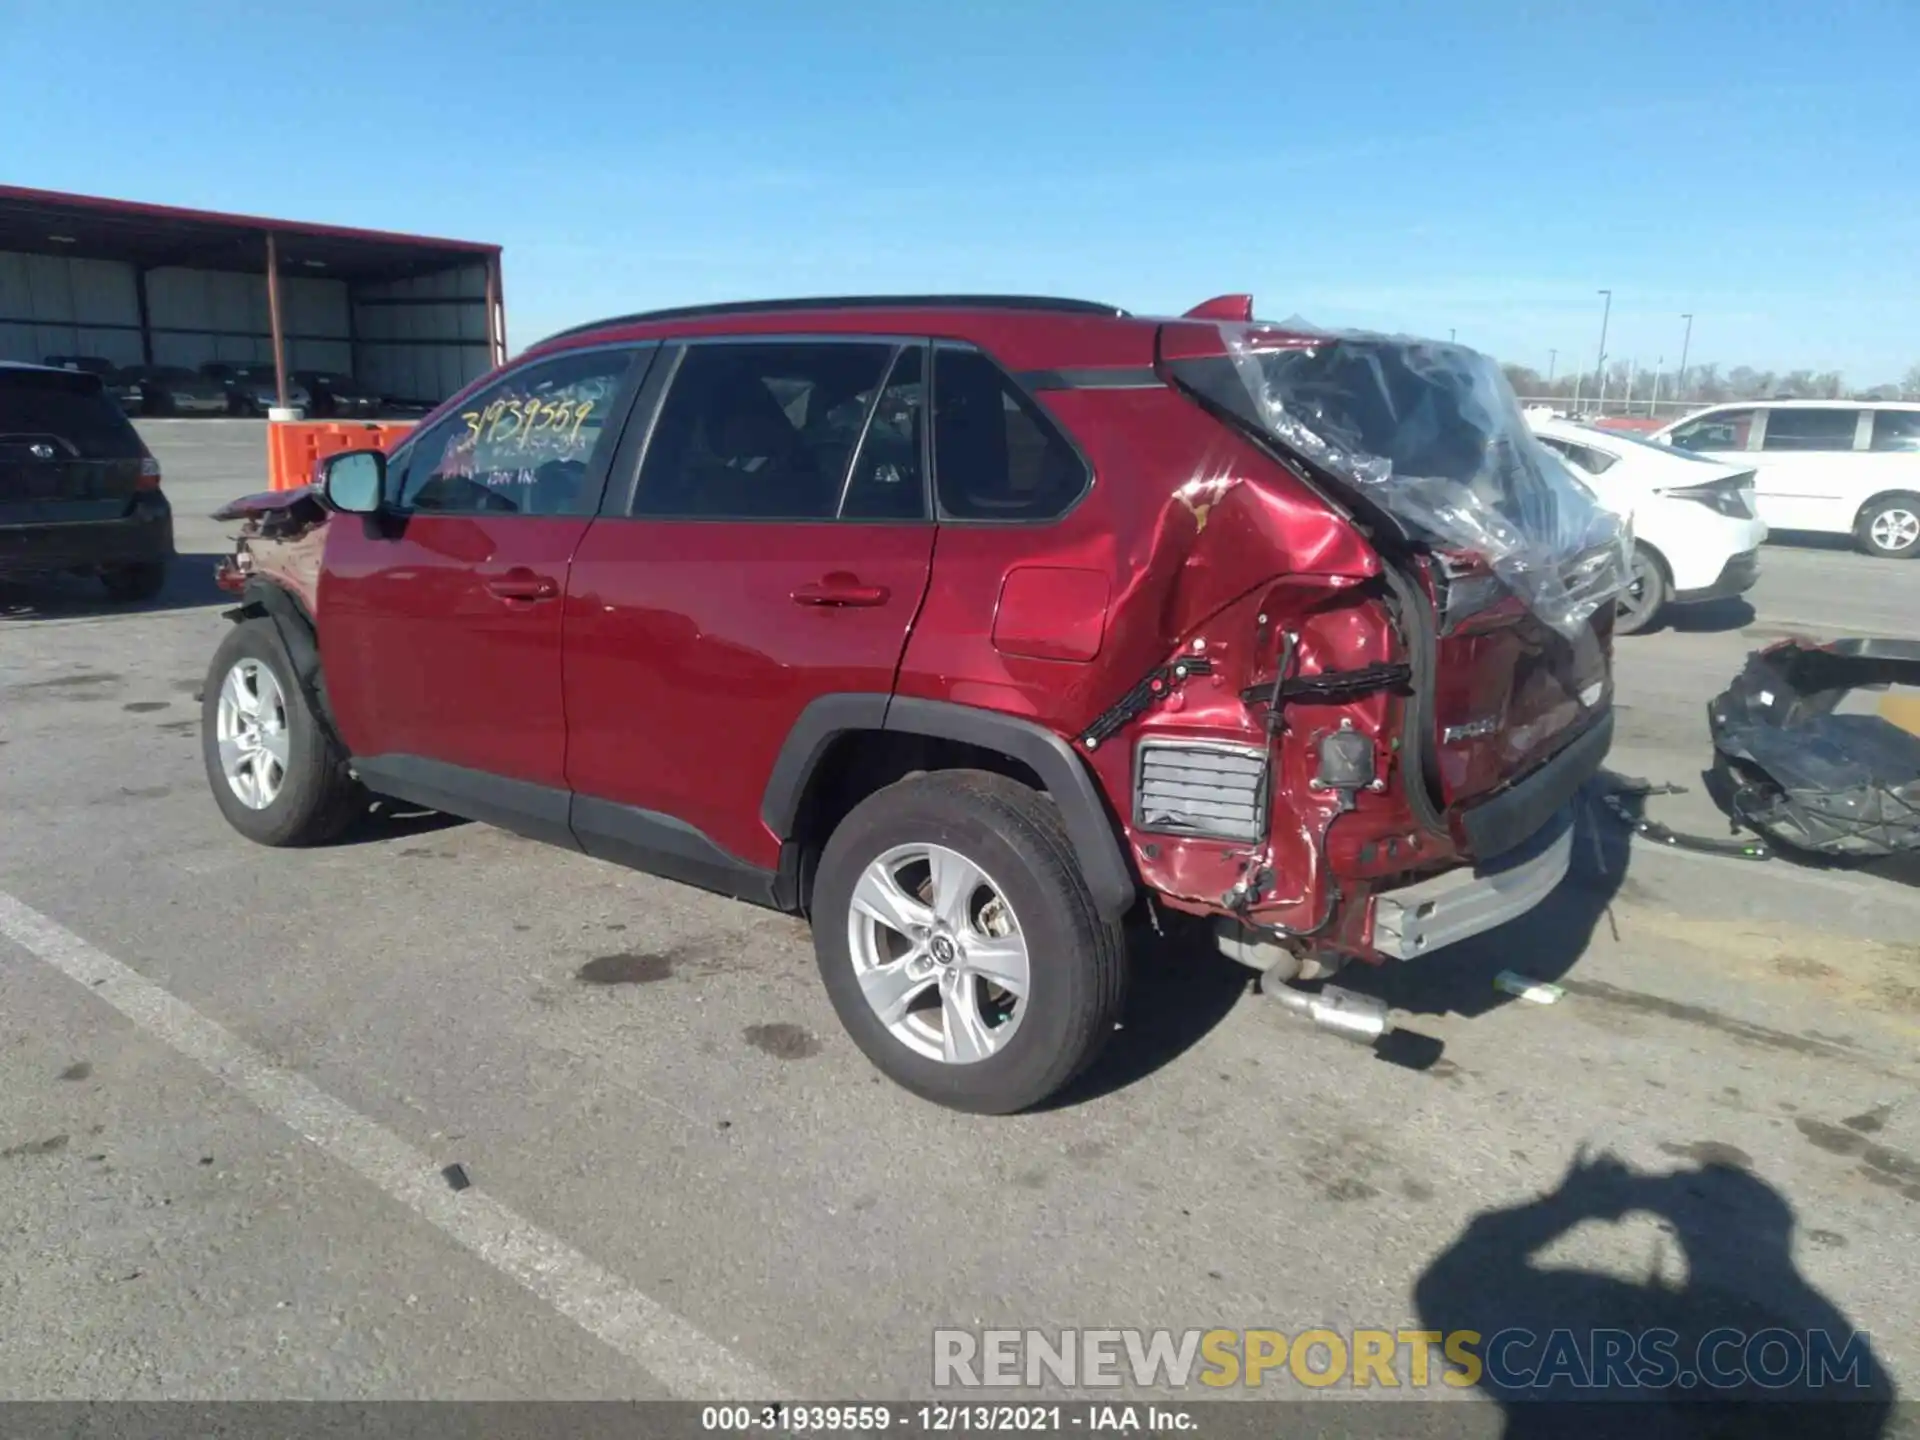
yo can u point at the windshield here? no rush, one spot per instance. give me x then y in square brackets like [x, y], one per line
[1431, 433]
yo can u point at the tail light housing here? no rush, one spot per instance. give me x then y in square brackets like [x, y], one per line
[149, 474]
[1732, 497]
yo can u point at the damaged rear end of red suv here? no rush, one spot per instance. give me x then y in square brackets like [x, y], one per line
[1387, 622]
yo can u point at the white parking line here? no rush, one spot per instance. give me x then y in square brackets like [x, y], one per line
[688, 1363]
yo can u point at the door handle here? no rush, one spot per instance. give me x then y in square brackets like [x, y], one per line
[840, 590]
[519, 584]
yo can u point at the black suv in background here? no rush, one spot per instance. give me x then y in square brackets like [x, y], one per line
[79, 490]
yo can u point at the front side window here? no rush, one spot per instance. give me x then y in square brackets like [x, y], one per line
[1896, 430]
[761, 430]
[524, 446]
[1797, 429]
[1722, 430]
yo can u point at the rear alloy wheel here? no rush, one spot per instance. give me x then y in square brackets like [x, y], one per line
[275, 771]
[939, 953]
[1890, 527]
[1645, 596]
[130, 583]
[960, 945]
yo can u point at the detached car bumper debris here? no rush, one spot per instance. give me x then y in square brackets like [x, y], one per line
[1801, 756]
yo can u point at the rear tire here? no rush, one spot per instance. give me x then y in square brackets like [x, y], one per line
[1641, 608]
[283, 780]
[1889, 526]
[129, 584]
[989, 837]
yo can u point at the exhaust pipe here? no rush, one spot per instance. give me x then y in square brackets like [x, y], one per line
[1358, 1017]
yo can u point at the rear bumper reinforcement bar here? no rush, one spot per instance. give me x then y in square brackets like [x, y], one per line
[1419, 918]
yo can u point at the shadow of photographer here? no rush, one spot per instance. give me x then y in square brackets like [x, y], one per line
[1743, 1346]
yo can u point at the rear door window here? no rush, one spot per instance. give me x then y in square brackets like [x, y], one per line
[1821, 429]
[889, 476]
[82, 416]
[1721, 430]
[1896, 430]
[996, 454]
[768, 430]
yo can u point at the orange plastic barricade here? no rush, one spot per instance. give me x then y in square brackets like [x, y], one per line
[295, 446]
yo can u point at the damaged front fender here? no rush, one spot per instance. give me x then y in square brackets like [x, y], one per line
[281, 540]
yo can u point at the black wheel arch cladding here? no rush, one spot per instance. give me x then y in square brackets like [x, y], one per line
[299, 637]
[1083, 810]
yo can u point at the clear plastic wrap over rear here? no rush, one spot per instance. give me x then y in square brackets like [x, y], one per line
[1432, 434]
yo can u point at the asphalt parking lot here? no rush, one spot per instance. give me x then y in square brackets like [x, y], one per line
[229, 1079]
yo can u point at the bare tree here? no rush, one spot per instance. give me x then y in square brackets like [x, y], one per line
[1524, 380]
[1705, 385]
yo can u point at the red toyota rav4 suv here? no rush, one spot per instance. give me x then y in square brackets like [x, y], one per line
[964, 626]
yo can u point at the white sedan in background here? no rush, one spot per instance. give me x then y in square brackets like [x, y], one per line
[1696, 530]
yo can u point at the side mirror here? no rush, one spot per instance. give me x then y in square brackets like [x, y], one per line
[354, 481]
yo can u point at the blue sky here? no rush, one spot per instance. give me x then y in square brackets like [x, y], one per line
[1477, 167]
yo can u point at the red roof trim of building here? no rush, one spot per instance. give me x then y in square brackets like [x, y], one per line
[104, 206]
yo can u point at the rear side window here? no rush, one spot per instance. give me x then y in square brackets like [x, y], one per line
[1594, 462]
[523, 446]
[81, 415]
[1722, 430]
[766, 431]
[996, 455]
[1896, 430]
[1811, 429]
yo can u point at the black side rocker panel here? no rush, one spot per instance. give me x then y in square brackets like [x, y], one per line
[1068, 781]
[623, 834]
[661, 845]
[540, 812]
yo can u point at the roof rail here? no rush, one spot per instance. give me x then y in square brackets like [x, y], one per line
[852, 302]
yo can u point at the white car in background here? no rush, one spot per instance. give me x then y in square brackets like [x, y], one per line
[1696, 532]
[1843, 468]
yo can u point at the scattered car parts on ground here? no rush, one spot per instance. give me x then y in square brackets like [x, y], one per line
[1797, 758]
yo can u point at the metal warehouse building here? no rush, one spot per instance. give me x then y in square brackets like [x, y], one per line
[410, 317]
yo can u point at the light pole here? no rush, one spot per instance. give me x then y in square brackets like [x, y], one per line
[1553, 359]
[1450, 335]
[1680, 383]
[1653, 405]
[1600, 365]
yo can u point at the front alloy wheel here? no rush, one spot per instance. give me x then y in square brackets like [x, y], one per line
[278, 776]
[252, 734]
[939, 953]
